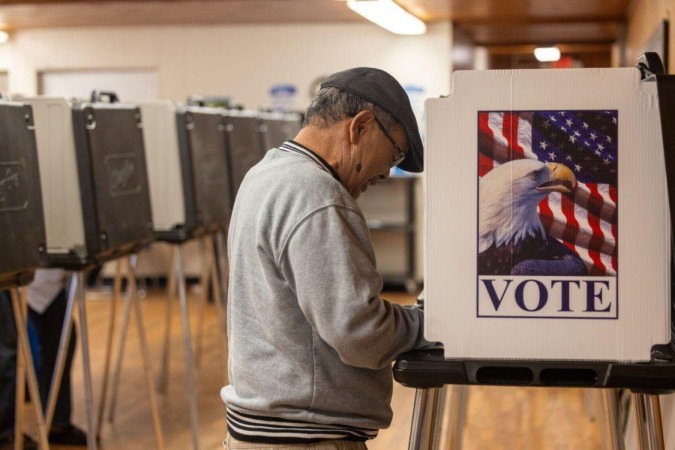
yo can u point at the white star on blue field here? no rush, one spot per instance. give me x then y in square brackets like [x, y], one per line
[586, 141]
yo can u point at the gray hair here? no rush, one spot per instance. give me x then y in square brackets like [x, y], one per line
[331, 105]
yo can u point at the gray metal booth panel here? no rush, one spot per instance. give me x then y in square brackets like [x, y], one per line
[293, 124]
[277, 128]
[22, 231]
[205, 165]
[164, 167]
[243, 142]
[113, 178]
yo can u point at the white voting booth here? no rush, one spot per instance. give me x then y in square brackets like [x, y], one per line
[164, 166]
[94, 188]
[59, 176]
[97, 208]
[548, 241]
[519, 163]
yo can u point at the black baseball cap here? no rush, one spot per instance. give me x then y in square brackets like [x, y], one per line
[379, 88]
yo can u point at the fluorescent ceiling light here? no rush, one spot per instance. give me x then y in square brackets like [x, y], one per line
[389, 15]
[547, 54]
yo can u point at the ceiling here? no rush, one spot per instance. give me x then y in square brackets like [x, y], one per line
[487, 22]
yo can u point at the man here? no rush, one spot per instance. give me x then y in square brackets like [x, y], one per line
[47, 302]
[8, 351]
[310, 340]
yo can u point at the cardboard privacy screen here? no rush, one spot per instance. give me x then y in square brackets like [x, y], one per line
[547, 228]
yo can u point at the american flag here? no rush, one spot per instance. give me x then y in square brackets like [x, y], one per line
[584, 141]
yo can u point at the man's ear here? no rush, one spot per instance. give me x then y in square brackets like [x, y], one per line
[358, 123]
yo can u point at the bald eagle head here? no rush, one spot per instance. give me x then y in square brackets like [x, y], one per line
[509, 196]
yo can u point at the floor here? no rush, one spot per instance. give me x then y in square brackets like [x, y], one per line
[497, 417]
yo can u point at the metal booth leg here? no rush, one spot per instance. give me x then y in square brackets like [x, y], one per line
[86, 362]
[207, 261]
[20, 393]
[425, 411]
[145, 350]
[122, 339]
[163, 378]
[20, 318]
[117, 288]
[61, 354]
[457, 416]
[648, 422]
[612, 430]
[589, 401]
[187, 344]
[439, 418]
[222, 315]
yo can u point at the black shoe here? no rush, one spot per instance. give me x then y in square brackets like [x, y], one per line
[67, 435]
[28, 443]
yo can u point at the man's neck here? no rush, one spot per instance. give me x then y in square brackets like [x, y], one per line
[323, 143]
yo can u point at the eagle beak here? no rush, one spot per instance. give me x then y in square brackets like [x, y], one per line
[561, 179]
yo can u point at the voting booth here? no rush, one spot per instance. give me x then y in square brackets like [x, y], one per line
[244, 144]
[562, 248]
[188, 168]
[93, 178]
[96, 205]
[22, 239]
[22, 228]
[205, 167]
[113, 177]
[250, 135]
[277, 127]
[165, 174]
[548, 233]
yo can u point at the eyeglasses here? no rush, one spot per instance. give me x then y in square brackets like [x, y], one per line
[401, 154]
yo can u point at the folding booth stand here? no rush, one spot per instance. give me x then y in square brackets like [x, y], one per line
[97, 208]
[22, 236]
[586, 161]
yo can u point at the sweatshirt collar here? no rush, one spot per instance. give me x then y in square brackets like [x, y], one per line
[292, 146]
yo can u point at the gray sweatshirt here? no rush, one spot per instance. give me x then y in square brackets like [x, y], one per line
[310, 339]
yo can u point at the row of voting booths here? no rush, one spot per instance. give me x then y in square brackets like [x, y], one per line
[550, 264]
[86, 182]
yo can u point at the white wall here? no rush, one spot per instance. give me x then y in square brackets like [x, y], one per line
[242, 61]
[130, 85]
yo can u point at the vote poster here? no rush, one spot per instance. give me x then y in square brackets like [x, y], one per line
[547, 207]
